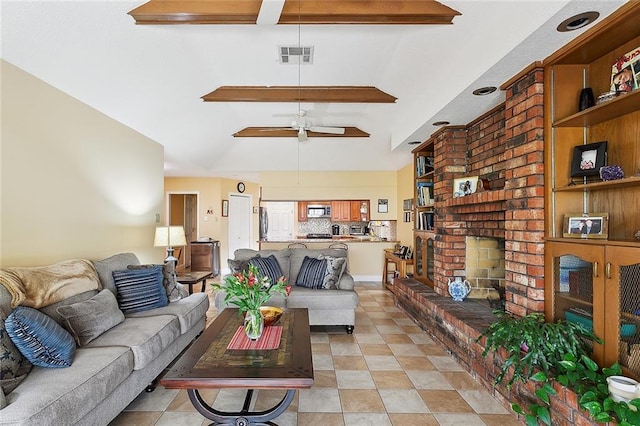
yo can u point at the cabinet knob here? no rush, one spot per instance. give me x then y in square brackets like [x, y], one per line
[596, 267]
[608, 270]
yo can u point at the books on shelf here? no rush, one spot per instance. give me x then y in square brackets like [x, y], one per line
[424, 194]
[424, 164]
[425, 221]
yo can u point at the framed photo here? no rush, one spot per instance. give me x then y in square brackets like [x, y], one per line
[383, 205]
[587, 159]
[590, 225]
[225, 208]
[465, 186]
[625, 72]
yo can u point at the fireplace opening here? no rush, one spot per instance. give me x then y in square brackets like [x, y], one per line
[484, 269]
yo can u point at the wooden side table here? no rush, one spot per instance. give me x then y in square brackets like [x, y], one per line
[190, 278]
[400, 266]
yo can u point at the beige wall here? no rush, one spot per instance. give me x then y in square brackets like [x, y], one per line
[75, 183]
[371, 185]
[405, 190]
[211, 192]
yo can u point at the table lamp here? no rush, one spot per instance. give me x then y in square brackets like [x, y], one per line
[169, 236]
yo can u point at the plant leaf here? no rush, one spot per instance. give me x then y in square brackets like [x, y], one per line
[539, 377]
[543, 414]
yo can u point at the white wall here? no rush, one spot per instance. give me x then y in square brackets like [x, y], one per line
[74, 182]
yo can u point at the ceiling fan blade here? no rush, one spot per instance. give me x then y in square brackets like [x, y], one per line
[302, 135]
[332, 130]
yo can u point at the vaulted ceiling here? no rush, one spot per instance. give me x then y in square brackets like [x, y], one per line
[153, 78]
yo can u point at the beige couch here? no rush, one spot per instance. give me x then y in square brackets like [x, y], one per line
[334, 306]
[109, 371]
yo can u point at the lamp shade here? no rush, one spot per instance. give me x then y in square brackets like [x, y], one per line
[169, 236]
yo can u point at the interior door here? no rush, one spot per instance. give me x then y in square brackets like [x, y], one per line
[239, 223]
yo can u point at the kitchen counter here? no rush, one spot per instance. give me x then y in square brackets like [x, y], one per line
[334, 239]
[366, 253]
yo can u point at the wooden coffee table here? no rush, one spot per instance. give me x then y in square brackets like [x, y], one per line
[209, 364]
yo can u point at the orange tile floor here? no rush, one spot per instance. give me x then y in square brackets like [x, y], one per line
[389, 372]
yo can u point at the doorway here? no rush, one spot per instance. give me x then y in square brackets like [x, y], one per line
[240, 225]
[183, 211]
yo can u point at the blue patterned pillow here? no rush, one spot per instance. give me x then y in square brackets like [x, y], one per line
[312, 273]
[140, 289]
[40, 339]
[268, 267]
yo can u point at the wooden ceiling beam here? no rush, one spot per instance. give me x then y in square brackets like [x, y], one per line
[332, 94]
[280, 132]
[385, 12]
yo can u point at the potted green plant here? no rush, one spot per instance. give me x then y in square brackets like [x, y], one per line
[543, 351]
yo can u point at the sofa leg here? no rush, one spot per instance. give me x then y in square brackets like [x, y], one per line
[350, 329]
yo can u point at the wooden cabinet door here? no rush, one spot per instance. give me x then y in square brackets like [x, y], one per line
[354, 211]
[340, 211]
[622, 308]
[302, 211]
[575, 286]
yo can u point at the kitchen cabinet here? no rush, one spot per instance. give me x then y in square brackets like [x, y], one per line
[602, 295]
[341, 211]
[302, 211]
[596, 284]
[359, 211]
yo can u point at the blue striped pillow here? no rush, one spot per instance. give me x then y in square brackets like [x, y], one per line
[39, 338]
[268, 267]
[140, 289]
[312, 273]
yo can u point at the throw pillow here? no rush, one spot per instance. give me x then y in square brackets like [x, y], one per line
[267, 266]
[40, 339]
[334, 271]
[312, 273]
[14, 367]
[89, 319]
[140, 289]
[237, 266]
[168, 279]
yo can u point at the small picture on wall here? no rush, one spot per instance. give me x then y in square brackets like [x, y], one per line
[591, 225]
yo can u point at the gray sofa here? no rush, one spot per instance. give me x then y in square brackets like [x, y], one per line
[333, 306]
[110, 371]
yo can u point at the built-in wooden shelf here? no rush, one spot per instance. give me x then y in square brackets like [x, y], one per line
[609, 184]
[617, 107]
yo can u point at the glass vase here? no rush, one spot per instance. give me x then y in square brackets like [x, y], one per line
[253, 324]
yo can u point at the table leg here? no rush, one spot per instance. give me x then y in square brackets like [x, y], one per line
[243, 417]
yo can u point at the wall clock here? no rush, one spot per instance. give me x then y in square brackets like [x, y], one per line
[241, 187]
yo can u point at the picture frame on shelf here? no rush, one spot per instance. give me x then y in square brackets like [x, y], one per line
[588, 159]
[625, 72]
[465, 186]
[586, 226]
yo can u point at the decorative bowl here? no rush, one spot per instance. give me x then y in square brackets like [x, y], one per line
[270, 314]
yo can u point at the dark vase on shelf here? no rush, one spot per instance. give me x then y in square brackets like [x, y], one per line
[586, 99]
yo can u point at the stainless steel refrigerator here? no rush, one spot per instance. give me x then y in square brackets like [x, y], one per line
[264, 223]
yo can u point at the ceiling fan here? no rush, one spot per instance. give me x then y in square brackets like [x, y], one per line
[302, 125]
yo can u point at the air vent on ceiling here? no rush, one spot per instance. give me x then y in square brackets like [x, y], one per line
[295, 55]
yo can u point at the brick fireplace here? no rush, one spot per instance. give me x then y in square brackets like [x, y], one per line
[505, 147]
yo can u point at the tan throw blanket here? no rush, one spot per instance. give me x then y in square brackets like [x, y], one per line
[39, 286]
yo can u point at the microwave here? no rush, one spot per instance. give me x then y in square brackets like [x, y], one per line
[318, 210]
